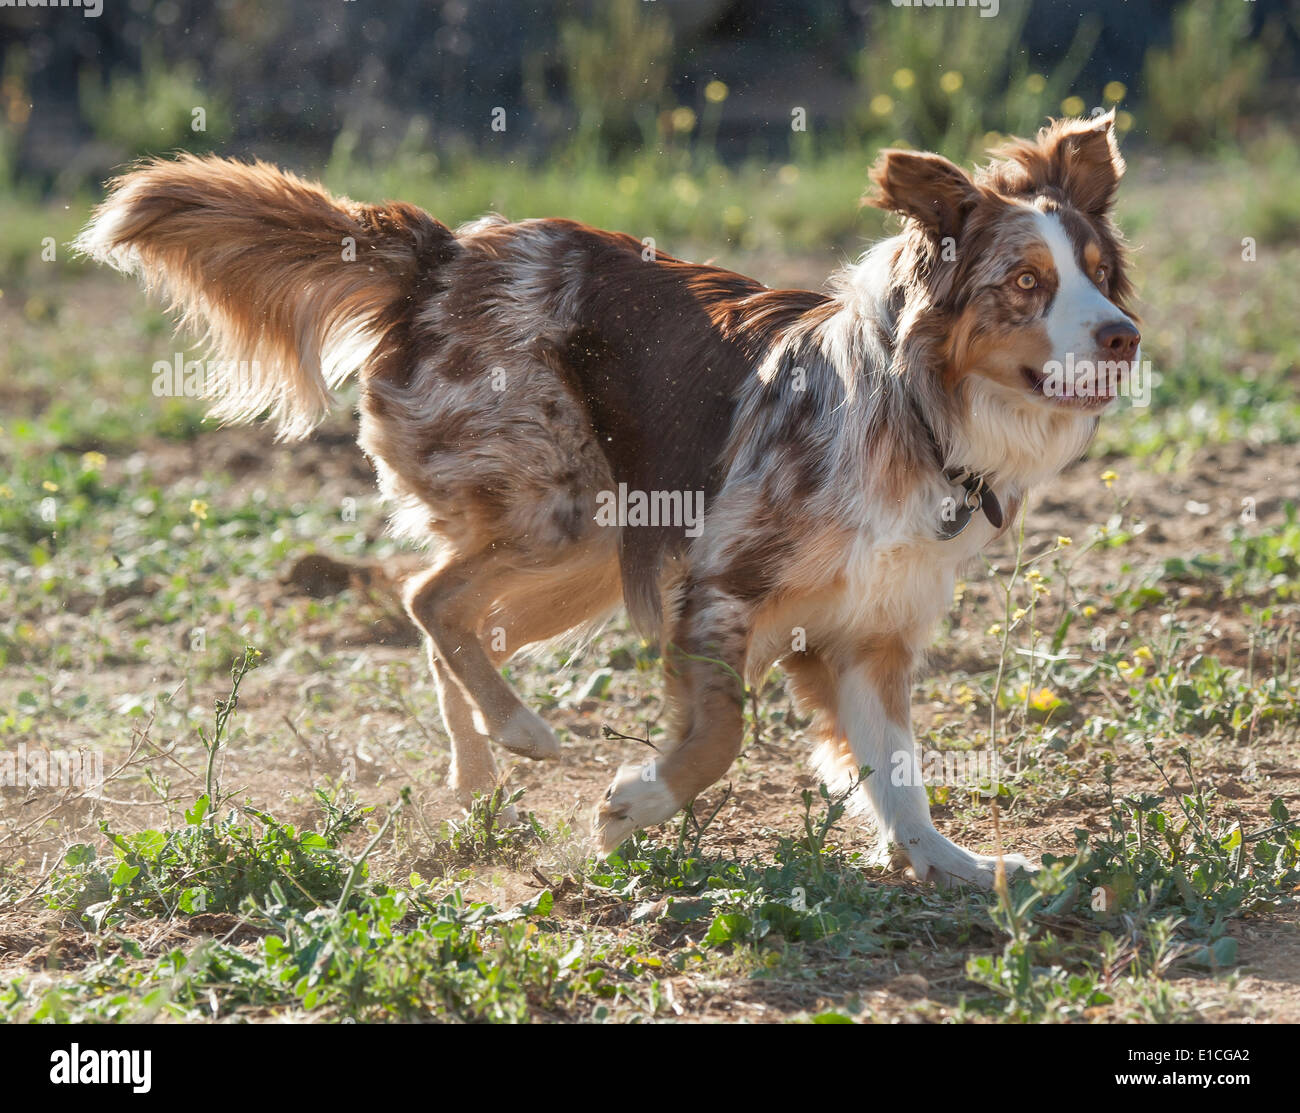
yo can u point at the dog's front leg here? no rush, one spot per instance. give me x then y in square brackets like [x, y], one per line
[874, 711]
[704, 660]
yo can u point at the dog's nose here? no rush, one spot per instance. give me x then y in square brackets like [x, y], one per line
[1119, 340]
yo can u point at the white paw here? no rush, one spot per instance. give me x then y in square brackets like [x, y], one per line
[634, 800]
[936, 860]
[525, 734]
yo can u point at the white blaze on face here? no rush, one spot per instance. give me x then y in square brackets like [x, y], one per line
[1079, 308]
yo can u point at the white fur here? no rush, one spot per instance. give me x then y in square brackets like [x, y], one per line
[1079, 307]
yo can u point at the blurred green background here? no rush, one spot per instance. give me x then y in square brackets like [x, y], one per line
[721, 121]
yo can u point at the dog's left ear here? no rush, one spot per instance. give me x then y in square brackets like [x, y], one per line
[1079, 157]
[928, 188]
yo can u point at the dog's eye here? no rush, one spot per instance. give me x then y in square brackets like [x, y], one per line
[1101, 275]
[1026, 280]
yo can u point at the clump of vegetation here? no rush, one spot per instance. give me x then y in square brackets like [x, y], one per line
[212, 864]
[1201, 84]
[162, 108]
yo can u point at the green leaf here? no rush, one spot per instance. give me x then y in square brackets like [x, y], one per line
[194, 899]
[540, 905]
[194, 816]
[80, 854]
[123, 875]
[727, 927]
[148, 844]
[684, 911]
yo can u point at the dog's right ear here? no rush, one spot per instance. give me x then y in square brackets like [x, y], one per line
[928, 188]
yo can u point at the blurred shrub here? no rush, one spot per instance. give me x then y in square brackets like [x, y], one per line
[157, 110]
[1271, 212]
[1199, 85]
[616, 65]
[946, 84]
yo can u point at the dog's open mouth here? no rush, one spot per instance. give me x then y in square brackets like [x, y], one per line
[1090, 395]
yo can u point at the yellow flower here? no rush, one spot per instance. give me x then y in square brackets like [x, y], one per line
[1044, 700]
[199, 509]
[683, 118]
[6, 492]
[1114, 91]
[716, 92]
[1124, 121]
[93, 461]
[1089, 611]
[1064, 542]
[1072, 106]
[882, 104]
[1033, 575]
[47, 485]
[1143, 653]
[951, 81]
[904, 78]
[1020, 613]
[995, 630]
[1108, 477]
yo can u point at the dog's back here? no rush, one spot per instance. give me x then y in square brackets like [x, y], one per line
[511, 372]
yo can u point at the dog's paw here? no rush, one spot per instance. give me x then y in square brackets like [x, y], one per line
[525, 734]
[935, 860]
[979, 871]
[634, 800]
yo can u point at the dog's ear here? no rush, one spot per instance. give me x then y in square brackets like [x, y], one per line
[1079, 157]
[928, 188]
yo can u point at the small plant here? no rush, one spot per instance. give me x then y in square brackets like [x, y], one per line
[205, 866]
[211, 864]
[492, 831]
[1194, 863]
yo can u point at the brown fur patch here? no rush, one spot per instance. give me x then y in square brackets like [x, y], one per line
[888, 661]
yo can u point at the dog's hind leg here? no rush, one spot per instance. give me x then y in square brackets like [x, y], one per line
[494, 608]
[447, 604]
[473, 770]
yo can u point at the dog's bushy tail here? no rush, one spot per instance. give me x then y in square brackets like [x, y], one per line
[292, 287]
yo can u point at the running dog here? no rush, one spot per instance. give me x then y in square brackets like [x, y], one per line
[544, 402]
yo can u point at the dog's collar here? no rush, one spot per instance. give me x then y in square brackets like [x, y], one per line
[955, 514]
[978, 496]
